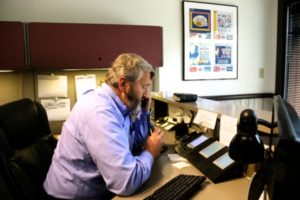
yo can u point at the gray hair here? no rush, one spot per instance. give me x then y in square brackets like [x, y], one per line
[130, 66]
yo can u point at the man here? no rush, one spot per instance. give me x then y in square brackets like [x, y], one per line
[96, 153]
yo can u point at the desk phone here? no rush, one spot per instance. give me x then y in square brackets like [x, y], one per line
[210, 157]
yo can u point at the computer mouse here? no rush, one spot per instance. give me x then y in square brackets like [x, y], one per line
[184, 138]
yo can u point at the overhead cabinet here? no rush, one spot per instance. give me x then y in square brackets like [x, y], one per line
[71, 45]
[12, 45]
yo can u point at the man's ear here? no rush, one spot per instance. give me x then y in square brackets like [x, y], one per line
[122, 83]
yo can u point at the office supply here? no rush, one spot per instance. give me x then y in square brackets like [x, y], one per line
[206, 118]
[227, 129]
[167, 123]
[57, 109]
[52, 86]
[151, 129]
[246, 146]
[150, 125]
[211, 149]
[84, 83]
[169, 126]
[184, 138]
[179, 187]
[223, 161]
[210, 157]
[174, 157]
[181, 130]
[185, 97]
[196, 142]
[181, 164]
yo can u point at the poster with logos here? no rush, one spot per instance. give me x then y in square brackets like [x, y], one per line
[210, 41]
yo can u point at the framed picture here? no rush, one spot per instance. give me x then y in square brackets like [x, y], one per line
[210, 41]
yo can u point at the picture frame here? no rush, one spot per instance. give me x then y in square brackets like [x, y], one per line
[210, 40]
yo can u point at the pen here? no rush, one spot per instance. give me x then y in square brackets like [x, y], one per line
[150, 125]
[151, 129]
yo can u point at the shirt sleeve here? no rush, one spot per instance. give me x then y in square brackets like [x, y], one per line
[107, 140]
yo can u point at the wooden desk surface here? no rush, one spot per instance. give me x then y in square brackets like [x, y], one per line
[163, 171]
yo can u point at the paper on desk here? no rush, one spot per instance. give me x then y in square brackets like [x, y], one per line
[180, 165]
[228, 127]
[52, 86]
[57, 109]
[206, 118]
[84, 83]
[174, 157]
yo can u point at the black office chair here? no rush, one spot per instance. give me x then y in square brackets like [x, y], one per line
[4, 192]
[26, 148]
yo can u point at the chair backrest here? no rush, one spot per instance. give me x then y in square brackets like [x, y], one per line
[4, 192]
[26, 147]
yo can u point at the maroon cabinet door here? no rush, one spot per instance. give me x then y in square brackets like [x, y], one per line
[12, 45]
[73, 46]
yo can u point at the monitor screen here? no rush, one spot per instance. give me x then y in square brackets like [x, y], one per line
[284, 169]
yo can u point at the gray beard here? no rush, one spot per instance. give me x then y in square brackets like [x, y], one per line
[135, 106]
[137, 109]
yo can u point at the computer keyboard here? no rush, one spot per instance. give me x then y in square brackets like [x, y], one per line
[180, 187]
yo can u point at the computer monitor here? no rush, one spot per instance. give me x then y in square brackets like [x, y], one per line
[283, 173]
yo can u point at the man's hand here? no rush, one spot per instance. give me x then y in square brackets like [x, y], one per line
[154, 142]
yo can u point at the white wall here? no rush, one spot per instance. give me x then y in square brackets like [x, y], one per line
[257, 32]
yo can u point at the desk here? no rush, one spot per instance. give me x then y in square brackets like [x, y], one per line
[163, 171]
[160, 106]
[220, 108]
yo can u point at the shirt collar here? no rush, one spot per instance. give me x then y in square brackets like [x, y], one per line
[121, 106]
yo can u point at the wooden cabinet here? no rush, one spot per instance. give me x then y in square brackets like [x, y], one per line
[71, 46]
[12, 45]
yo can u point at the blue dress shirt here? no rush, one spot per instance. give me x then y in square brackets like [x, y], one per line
[95, 149]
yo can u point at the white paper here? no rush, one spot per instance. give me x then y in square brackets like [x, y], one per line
[84, 83]
[227, 129]
[169, 127]
[206, 118]
[57, 109]
[52, 86]
[180, 165]
[174, 157]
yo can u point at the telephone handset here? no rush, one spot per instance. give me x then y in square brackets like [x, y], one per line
[144, 102]
[151, 129]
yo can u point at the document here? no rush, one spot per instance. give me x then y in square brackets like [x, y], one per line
[206, 118]
[174, 157]
[228, 128]
[52, 86]
[57, 109]
[180, 165]
[84, 83]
